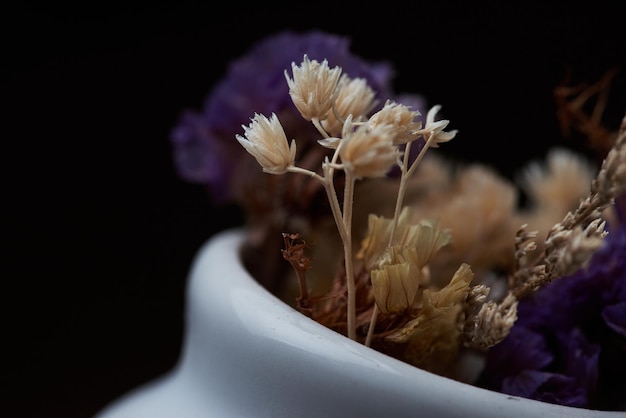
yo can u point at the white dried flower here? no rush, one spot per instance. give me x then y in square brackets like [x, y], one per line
[563, 181]
[313, 88]
[369, 152]
[436, 128]
[400, 118]
[355, 97]
[266, 141]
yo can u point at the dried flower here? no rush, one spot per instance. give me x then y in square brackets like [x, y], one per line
[313, 88]
[557, 342]
[369, 152]
[401, 118]
[355, 97]
[563, 180]
[432, 340]
[567, 346]
[569, 343]
[493, 321]
[434, 131]
[204, 149]
[265, 140]
[396, 281]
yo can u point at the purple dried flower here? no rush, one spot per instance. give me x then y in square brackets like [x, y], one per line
[205, 149]
[569, 344]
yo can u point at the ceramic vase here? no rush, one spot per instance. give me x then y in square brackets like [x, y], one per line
[248, 354]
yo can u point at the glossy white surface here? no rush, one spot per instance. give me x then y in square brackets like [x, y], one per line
[247, 354]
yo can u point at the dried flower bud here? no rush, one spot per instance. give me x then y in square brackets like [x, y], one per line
[436, 128]
[355, 97]
[578, 247]
[266, 141]
[313, 88]
[491, 324]
[369, 152]
[400, 118]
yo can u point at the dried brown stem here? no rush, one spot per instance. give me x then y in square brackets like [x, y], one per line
[572, 115]
[294, 253]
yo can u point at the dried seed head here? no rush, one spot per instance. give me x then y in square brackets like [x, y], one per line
[266, 141]
[369, 152]
[355, 97]
[491, 324]
[400, 118]
[436, 129]
[313, 88]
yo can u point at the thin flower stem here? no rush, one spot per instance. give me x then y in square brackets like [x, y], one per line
[294, 169]
[348, 198]
[405, 175]
[420, 156]
[334, 206]
[400, 195]
[370, 331]
[343, 222]
[318, 125]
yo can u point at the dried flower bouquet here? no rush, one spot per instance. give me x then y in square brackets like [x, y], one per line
[420, 262]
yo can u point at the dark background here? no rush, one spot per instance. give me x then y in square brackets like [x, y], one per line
[99, 231]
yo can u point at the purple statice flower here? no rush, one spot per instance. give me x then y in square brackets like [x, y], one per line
[205, 149]
[569, 344]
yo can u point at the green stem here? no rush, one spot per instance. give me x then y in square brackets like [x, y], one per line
[370, 331]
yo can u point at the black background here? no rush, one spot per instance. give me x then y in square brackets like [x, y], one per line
[99, 231]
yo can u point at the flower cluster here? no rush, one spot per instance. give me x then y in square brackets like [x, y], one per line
[362, 147]
[417, 259]
[204, 151]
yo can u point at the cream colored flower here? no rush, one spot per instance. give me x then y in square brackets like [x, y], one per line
[400, 118]
[369, 152]
[355, 98]
[266, 141]
[436, 128]
[313, 88]
[562, 182]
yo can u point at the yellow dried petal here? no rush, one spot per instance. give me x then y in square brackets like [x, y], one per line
[395, 286]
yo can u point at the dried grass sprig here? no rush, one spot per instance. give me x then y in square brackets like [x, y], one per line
[493, 321]
[571, 242]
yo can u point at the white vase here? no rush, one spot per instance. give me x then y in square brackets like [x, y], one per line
[248, 354]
